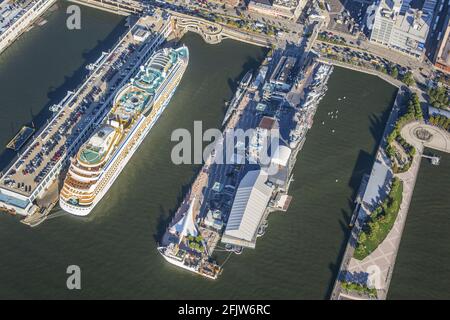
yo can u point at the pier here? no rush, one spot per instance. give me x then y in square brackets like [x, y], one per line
[211, 32]
[30, 175]
[233, 194]
[37, 167]
[375, 270]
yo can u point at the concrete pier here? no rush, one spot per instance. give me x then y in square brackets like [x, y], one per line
[378, 266]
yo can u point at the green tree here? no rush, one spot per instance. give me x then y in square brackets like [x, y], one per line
[408, 79]
[362, 237]
[394, 73]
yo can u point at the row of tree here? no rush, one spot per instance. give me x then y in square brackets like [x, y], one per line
[392, 71]
[380, 221]
[414, 112]
[440, 121]
[408, 79]
[356, 287]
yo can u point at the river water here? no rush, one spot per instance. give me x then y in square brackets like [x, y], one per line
[422, 268]
[115, 246]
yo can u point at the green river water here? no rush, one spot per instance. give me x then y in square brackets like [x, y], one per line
[115, 246]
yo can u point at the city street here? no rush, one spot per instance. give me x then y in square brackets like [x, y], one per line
[292, 33]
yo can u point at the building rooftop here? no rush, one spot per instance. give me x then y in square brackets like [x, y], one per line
[281, 156]
[415, 23]
[376, 189]
[443, 55]
[289, 4]
[250, 202]
[268, 123]
[283, 70]
[263, 2]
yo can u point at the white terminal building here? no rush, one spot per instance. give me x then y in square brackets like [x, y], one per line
[397, 25]
[290, 9]
[250, 203]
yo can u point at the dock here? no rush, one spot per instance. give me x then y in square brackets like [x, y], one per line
[20, 138]
[28, 177]
[211, 201]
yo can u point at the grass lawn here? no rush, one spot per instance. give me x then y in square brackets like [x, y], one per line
[380, 222]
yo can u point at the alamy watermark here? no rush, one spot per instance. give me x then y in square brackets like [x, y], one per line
[73, 21]
[233, 146]
[74, 279]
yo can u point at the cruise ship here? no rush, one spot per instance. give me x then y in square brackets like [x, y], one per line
[136, 108]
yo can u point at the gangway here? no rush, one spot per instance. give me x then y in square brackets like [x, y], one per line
[435, 160]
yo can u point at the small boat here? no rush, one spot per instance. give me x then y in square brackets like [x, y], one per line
[238, 249]
[261, 231]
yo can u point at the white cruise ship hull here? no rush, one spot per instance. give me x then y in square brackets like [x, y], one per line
[85, 210]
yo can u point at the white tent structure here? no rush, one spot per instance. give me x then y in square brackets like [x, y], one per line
[186, 225]
[250, 202]
[281, 156]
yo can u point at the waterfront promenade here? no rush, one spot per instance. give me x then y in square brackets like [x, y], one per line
[436, 138]
[379, 265]
[214, 33]
[383, 76]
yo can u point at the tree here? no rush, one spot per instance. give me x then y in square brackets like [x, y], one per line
[394, 73]
[439, 97]
[362, 238]
[408, 79]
